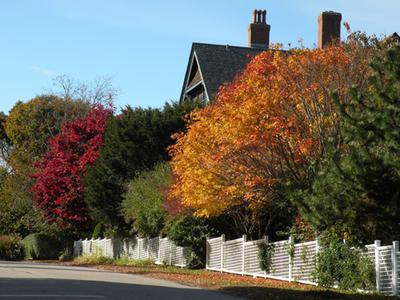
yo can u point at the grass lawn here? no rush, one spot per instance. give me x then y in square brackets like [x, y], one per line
[244, 286]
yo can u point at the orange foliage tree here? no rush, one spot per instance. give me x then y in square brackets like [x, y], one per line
[263, 130]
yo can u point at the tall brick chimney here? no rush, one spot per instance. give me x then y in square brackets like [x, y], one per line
[259, 30]
[329, 28]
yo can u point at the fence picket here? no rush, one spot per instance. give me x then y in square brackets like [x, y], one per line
[155, 249]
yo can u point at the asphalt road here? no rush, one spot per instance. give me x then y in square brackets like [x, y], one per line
[19, 280]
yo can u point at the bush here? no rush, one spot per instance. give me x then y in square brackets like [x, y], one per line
[143, 202]
[11, 247]
[265, 256]
[98, 231]
[344, 265]
[191, 232]
[41, 246]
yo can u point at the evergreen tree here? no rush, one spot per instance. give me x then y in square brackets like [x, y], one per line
[357, 189]
[134, 141]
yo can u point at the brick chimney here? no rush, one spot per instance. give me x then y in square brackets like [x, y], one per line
[259, 30]
[329, 28]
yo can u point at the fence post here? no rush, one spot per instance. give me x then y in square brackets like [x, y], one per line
[377, 272]
[291, 244]
[207, 252]
[244, 239]
[170, 251]
[159, 250]
[148, 247]
[395, 249]
[222, 251]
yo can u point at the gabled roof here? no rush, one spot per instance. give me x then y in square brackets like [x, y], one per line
[217, 64]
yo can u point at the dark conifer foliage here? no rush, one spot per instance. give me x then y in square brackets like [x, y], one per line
[135, 140]
[357, 190]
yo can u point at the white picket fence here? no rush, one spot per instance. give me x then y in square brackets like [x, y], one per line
[295, 262]
[159, 250]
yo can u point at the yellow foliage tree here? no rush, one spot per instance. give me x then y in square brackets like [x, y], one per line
[264, 129]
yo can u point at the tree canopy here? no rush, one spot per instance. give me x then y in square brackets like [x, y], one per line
[135, 141]
[58, 187]
[357, 187]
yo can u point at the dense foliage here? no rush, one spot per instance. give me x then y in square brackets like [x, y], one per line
[58, 187]
[265, 255]
[24, 134]
[262, 133]
[343, 264]
[41, 246]
[190, 232]
[143, 202]
[135, 141]
[11, 247]
[357, 190]
[29, 125]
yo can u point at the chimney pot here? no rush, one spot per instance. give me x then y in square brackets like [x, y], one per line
[259, 30]
[329, 28]
[254, 16]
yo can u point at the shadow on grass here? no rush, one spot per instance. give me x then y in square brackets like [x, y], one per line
[267, 293]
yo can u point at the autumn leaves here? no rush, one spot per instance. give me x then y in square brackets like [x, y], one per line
[262, 131]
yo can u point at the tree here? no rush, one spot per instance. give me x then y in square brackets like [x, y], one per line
[99, 91]
[143, 202]
[357, 190]
[58, 187]
[263, 132]
[18, 215]
[29, 126]
[25, 132]
[134, 141]
[5, 143]
[24, 136]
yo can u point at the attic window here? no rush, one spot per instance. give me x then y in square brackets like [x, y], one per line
[195, 76]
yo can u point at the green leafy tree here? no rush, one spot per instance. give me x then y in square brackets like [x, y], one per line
[143, 202]
[357, 189]
[29, 126]
[24, 135]
[18, 214]
[134, 141]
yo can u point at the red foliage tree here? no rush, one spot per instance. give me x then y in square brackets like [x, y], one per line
[58, 189]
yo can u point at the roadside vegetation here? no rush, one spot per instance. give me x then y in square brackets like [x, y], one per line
[303, 143]
[243, 286]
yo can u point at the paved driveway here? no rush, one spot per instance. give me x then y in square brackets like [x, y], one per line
[19, 280]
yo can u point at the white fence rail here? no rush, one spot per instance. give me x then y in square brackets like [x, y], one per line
[296, 262]
[159, 250]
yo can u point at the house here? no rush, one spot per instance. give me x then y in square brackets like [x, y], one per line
[211, 65]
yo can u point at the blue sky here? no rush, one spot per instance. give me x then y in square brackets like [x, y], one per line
[144, 45]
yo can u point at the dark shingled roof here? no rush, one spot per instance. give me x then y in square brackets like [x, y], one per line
[219, 64]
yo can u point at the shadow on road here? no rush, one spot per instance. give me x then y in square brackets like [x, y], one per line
[13, 288]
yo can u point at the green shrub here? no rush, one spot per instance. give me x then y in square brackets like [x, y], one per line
[265, 256]
[98, 231]
[11, 247]
[191, 232]
[95, 259]
[143, 202]
[41, 246]
[344, 265]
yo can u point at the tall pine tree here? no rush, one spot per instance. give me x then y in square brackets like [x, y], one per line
[357, 189]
